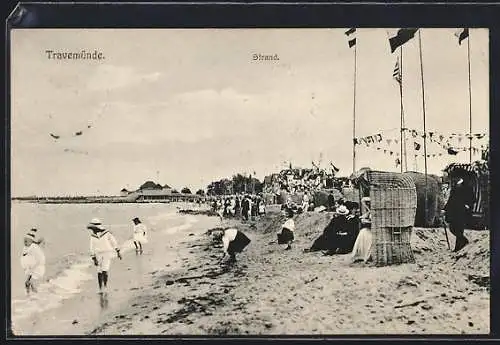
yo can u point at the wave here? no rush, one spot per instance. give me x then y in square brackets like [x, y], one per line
[52, 292]
[187, 225]
[74, 270]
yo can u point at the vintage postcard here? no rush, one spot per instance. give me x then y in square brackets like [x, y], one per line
[263, 182]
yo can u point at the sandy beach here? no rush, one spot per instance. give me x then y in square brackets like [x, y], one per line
[271, 291]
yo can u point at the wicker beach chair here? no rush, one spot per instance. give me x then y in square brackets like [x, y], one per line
[393, 199]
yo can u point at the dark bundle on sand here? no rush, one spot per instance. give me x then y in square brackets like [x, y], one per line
[434, 199]
[200, 212]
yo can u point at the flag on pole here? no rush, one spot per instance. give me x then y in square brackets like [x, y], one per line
[396, 74]
[399, 37]
[334, 167]
[462, 34]
[351, 35]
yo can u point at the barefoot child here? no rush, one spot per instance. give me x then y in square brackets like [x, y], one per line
[139, 235]
[103, 245]
[32, 261]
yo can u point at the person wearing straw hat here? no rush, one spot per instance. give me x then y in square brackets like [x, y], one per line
[336, 231]
[139, 236]
[103, 246]
[32, 261]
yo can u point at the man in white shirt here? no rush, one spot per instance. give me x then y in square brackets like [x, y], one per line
[103, 246]
[234, 241]
[32, 261]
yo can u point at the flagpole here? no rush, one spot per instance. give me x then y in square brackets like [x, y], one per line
[401, 104]
[423, 112]
[470, 102]
[354, 113]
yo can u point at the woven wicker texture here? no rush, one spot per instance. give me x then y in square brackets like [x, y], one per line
[393, 207]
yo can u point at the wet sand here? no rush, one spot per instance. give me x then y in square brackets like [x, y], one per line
[271, 291]
[127, 278]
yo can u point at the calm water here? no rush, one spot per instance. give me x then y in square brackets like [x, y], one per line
[66, 246]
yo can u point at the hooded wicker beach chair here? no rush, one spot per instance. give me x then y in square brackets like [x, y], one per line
[477, 177]
[393, 199]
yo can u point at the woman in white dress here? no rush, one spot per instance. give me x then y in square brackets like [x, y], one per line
[32, 261]
[363, 245]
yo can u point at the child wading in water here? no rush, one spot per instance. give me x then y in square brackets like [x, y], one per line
[103, 245]
[139, 235]
[32, 261]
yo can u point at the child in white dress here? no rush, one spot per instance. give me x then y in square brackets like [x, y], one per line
[139, 235]
[32, 261]
[103, 246]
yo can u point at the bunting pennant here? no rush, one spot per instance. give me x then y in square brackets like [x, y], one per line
[399, 37]
[351, 36]
[416, 145]
[452, 151]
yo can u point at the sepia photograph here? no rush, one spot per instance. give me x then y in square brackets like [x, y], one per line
[249, 182]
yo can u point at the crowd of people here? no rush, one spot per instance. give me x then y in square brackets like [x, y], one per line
[349, 230]
[246, 207]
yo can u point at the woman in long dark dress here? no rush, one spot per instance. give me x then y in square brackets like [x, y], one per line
[286, 235]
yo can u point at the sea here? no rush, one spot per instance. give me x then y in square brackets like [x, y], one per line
[66, 245]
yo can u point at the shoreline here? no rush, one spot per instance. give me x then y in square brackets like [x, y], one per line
[271, 291]
[86, 310]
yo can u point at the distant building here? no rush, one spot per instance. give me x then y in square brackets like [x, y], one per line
[150, 191]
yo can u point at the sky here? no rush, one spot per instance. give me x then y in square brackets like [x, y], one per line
[185, 107]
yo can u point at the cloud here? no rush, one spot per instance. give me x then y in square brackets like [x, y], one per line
[109, 77]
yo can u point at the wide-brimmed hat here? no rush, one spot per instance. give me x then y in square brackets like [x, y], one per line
[95, 224]
[32, 234]
[342, 210]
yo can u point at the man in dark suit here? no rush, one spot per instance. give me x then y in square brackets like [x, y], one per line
[458, 210]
